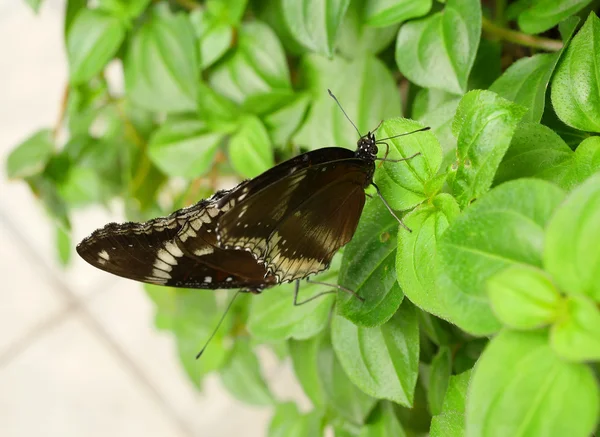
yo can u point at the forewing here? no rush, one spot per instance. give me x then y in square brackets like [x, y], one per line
[251, 223]
[306, 240]
[251, 187]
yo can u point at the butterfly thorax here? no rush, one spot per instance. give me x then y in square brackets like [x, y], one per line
[366, 149]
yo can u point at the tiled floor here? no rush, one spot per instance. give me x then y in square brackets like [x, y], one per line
[78, 352]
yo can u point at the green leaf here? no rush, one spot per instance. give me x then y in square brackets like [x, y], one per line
[289, 422]
[125, 9]
[439, 51]
[258, 66]
[314, 23]
[576, 83]
[368, 269]
[537, 151]
[31, 156]
[231, 11]
[183, 148]
[541, 15]
[525, 83]
[162, 66]
[571, 251]
[241, 376]
[72, 8]
[519, 387]
[250, 151]
[304, 355]
[380, 13]
[504, 227]
[439, 377]
[437, 330]
[214, 36]
[368, 96]
[356, 38]
[576, 335]
[343, 397]
[569, 134]
[285, 121]
[484, 125]
[451, 421]
[417, 259]
[34, 4]
[220, 113]
[383, 361]
[406, 184]
[382, 422]
[487, 66]
[93, 39]
[274, 317]
[82, 186]
[523, 297]
[585, 163]
[466, 357]
[63, 245]
[345, 429]
[436, 109]
[45, 189]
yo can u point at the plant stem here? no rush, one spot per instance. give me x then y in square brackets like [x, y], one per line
[63, 111]
[499, 12]
[188, 4]
[523, 39]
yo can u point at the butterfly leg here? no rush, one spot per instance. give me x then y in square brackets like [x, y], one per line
[387, 150]
[390, 208]
[297, 289]
[336, 286]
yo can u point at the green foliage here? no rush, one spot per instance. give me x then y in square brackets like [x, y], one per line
[439, 51]
[484, 318]
[576, 85]
[546, 396]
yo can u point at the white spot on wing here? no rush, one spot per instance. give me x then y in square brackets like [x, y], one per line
[204, 251]
[160, 274]
[189, 232]
[208, 279]
[104, 254]
[160, 264]
[173, 249]
[166, 257]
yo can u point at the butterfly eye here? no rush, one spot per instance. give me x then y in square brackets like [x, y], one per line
[374, 149]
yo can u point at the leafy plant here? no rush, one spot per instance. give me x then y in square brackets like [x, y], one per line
[482, 321]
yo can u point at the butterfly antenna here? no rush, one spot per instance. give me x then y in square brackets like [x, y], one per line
[218, 324]
[340, 105]
[406, 133]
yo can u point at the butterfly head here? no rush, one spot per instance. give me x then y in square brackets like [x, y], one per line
[367, 147]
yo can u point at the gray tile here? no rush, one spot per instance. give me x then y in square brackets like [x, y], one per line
[27, 299]
[68, 384]
[127, 314]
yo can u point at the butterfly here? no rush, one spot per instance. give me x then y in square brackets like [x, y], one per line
[294, 217]
[281, 226]
[157, 252]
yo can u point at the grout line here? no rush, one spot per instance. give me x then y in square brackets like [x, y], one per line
[74, 303]
[20, 345]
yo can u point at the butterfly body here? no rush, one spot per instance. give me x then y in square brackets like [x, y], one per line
[294, 217]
